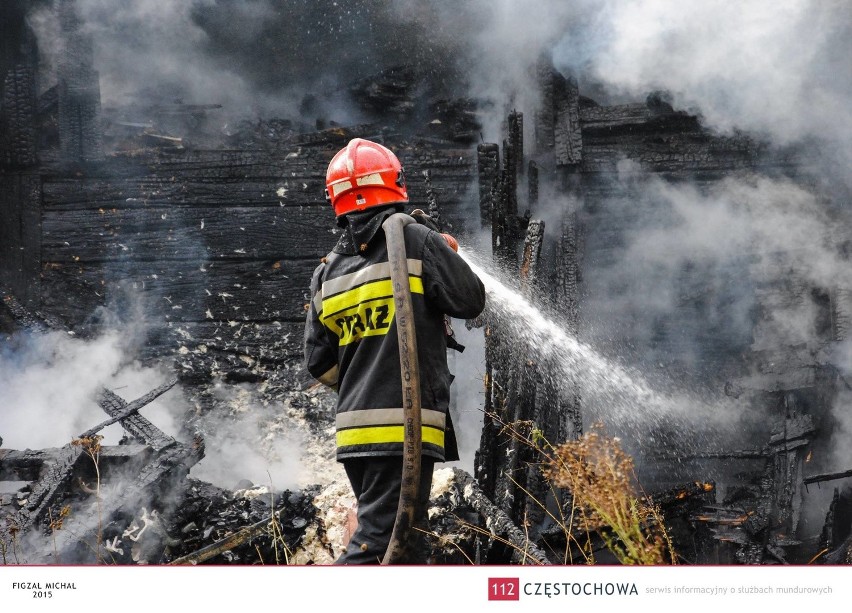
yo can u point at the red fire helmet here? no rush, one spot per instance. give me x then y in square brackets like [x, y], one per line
[362, 175]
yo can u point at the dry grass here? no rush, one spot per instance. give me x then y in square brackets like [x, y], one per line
[601, 479]
[92, 446]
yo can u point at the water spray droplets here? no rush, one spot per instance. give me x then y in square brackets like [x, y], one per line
[612, 393]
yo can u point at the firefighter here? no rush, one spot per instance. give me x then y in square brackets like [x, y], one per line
[351, 342]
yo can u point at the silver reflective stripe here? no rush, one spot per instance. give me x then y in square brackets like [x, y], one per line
[370, 273]
[373, 179]
[336, 188]
[382, 417]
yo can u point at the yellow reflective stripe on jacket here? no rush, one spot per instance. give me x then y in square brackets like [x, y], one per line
[385, 434]
[366, 310]
[374, 272]
[362, 293]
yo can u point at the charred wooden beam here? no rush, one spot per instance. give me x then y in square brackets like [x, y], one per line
[794, 428]
[497, 521]
[22, 316]
[827, 477]
[27, 464]
[568, 138]
[530, 262]
[516, 141]
[488, 171]
[137, 425]
[433, 211]
[19, 118]
[131, 408]
[518, 477]
[828, 536]
[545, 115]
[565, 394]
[788, 445]
[486, 456]
[231, 541]
[85, 528]
[20, 234]
[57, 475]
[389, 91]
[80, 132]
[532, 184]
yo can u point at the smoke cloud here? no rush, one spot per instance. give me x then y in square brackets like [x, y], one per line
[267, 445]
[777, 69]
[717, 245]
[50, 383]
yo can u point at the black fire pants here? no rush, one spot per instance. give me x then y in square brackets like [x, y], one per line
[376, 482]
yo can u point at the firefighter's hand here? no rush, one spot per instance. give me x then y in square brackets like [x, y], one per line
[424, 219]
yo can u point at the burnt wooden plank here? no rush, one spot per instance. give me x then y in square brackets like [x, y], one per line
[131, 408]
[488, 160]
[18, 144]
[696, 152]
[568, 138]
[592, 117]
[137, 425]
[250, 290]
[23, 465]
[827, 477]
[135, 191]
[83, 529]
[27, 464]
[20, 236]
[198, 233]
[56, 475]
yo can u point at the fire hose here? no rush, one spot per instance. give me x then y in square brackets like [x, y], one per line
[394, 227]
[410, 371]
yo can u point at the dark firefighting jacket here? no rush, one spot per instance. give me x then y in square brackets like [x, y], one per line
[351, 339]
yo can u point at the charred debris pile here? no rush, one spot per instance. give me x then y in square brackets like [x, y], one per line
[211, 234]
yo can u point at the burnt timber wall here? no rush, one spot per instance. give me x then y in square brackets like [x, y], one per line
[215, 248]
[597, 162]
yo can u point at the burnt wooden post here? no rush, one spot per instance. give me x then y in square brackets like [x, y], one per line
[19, 106]
[20, 234]
[569, 422]
[532, 183]
[545, 115]
[568, 138]
[20, 183]
[433, 210]
[488, 172]
[79, 92]
[515, 125]
[533, 410]
[557, 120]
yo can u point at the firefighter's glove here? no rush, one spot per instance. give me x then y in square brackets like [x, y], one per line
[424, 219]
[452, 242]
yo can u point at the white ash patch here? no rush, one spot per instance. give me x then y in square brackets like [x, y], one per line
[323, 543]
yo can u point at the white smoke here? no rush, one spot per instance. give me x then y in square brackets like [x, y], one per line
[757, 229]
[777, 69]
[50, 384]
[272, 446]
